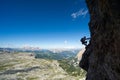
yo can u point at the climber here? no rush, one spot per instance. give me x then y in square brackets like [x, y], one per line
[84, 40]
[84, 62]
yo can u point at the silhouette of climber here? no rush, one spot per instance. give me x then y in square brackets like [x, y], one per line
[84, 62]
[84, 40]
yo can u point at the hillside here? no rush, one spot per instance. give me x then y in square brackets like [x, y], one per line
[23, 66]
[56, 55]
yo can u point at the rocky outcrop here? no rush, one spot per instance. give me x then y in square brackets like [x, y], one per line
[80, 53]
[104, 59]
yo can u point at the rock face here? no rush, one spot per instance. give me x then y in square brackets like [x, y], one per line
[79, 55]
[104, 25]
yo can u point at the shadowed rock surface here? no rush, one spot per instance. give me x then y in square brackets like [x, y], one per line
[103, 63]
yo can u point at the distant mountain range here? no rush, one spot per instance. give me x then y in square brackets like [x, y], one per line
[56, 54]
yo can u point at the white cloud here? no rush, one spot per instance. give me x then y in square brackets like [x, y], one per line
[81, 12]
[69, 47]
[65, 42]
[27, 46]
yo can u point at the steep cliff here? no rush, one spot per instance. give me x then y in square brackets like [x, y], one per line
[103, 61]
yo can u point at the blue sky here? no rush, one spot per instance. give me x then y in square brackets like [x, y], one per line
[43, 23]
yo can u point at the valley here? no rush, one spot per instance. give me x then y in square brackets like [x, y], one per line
[21, 65]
